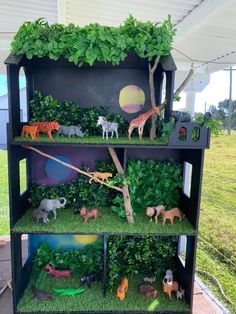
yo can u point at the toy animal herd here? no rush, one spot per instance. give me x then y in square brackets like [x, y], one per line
[147, 288]
[51, 205]
[48, 127]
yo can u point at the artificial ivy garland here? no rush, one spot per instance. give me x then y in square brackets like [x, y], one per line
[94, 42]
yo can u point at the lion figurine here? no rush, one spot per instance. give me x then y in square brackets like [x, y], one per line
[171, 214]
[86, 214]
[154, 212]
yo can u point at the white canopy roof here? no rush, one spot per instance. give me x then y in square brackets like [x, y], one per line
[206, 30]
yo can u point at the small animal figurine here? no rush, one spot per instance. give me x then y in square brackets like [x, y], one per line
[40, 294]
[50, 205]
[103, 176]
[168, 276]
[154, 212]
[29, 130]
[180, 294]
[68, 291]
[107, 127]
[171, 214]
[70, 131]
[57, 273]
[86, 214]
[122, 289]
[169, 287]
[39, 214]
[148, 290]
[88, 279]
[140, 121]
[181, 116]
[47, 127]
[149, 279]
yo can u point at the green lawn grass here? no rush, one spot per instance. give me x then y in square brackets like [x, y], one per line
[4, 202]
[97, 140]
[93, 299]
[4, 211]
[218, 216]
[108, 222]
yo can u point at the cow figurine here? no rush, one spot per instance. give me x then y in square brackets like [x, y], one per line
[87, 279]
[169, 287]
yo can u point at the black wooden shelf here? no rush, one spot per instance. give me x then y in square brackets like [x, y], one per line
[48, 77]
[105, 145]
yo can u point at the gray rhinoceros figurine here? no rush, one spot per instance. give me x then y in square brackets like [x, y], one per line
[70, 130]
[49, 205]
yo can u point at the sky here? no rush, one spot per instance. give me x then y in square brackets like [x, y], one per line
[3, 83]
[216, 91]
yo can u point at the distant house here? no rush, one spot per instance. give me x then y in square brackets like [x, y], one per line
[4, 114]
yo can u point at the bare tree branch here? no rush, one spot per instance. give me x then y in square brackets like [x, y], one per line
[125, 188]
[153, 97]
[72, 167]
[180, 88]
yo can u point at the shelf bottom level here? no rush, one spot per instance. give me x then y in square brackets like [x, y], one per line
[93, 301]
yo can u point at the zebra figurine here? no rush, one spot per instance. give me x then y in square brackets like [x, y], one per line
[107, 127]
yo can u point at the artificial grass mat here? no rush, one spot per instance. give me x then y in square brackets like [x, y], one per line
[93, 300]
[96, 140]
[108, 222]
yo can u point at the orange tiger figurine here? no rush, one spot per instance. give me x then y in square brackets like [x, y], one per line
[122, 289]
[47, 127]
[29, 130]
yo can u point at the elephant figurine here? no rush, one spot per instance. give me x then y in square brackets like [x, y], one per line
[50, 205]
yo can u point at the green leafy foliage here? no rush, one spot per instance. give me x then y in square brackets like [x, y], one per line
[46, 108]
[168, 127]
[95, 194]
[49, 109]
[94, 42]
[147, 256]
[212, 124]
[78, 191]
[83, 261]
[151, 183]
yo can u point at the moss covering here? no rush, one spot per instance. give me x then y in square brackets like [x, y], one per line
[93, 299]
[108, 222]
[96, 140]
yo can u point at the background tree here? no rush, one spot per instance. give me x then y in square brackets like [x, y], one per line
[222, 112]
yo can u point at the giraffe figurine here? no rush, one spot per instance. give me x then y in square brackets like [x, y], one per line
[140, 121]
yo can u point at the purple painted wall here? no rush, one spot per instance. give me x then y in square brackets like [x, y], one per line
[75, 155]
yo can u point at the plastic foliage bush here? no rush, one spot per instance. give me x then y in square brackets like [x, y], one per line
[94, 42]
[208, 122]
[139, 256]
[151, 183]
[83, 261]
[47, 108]
[89, 195]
